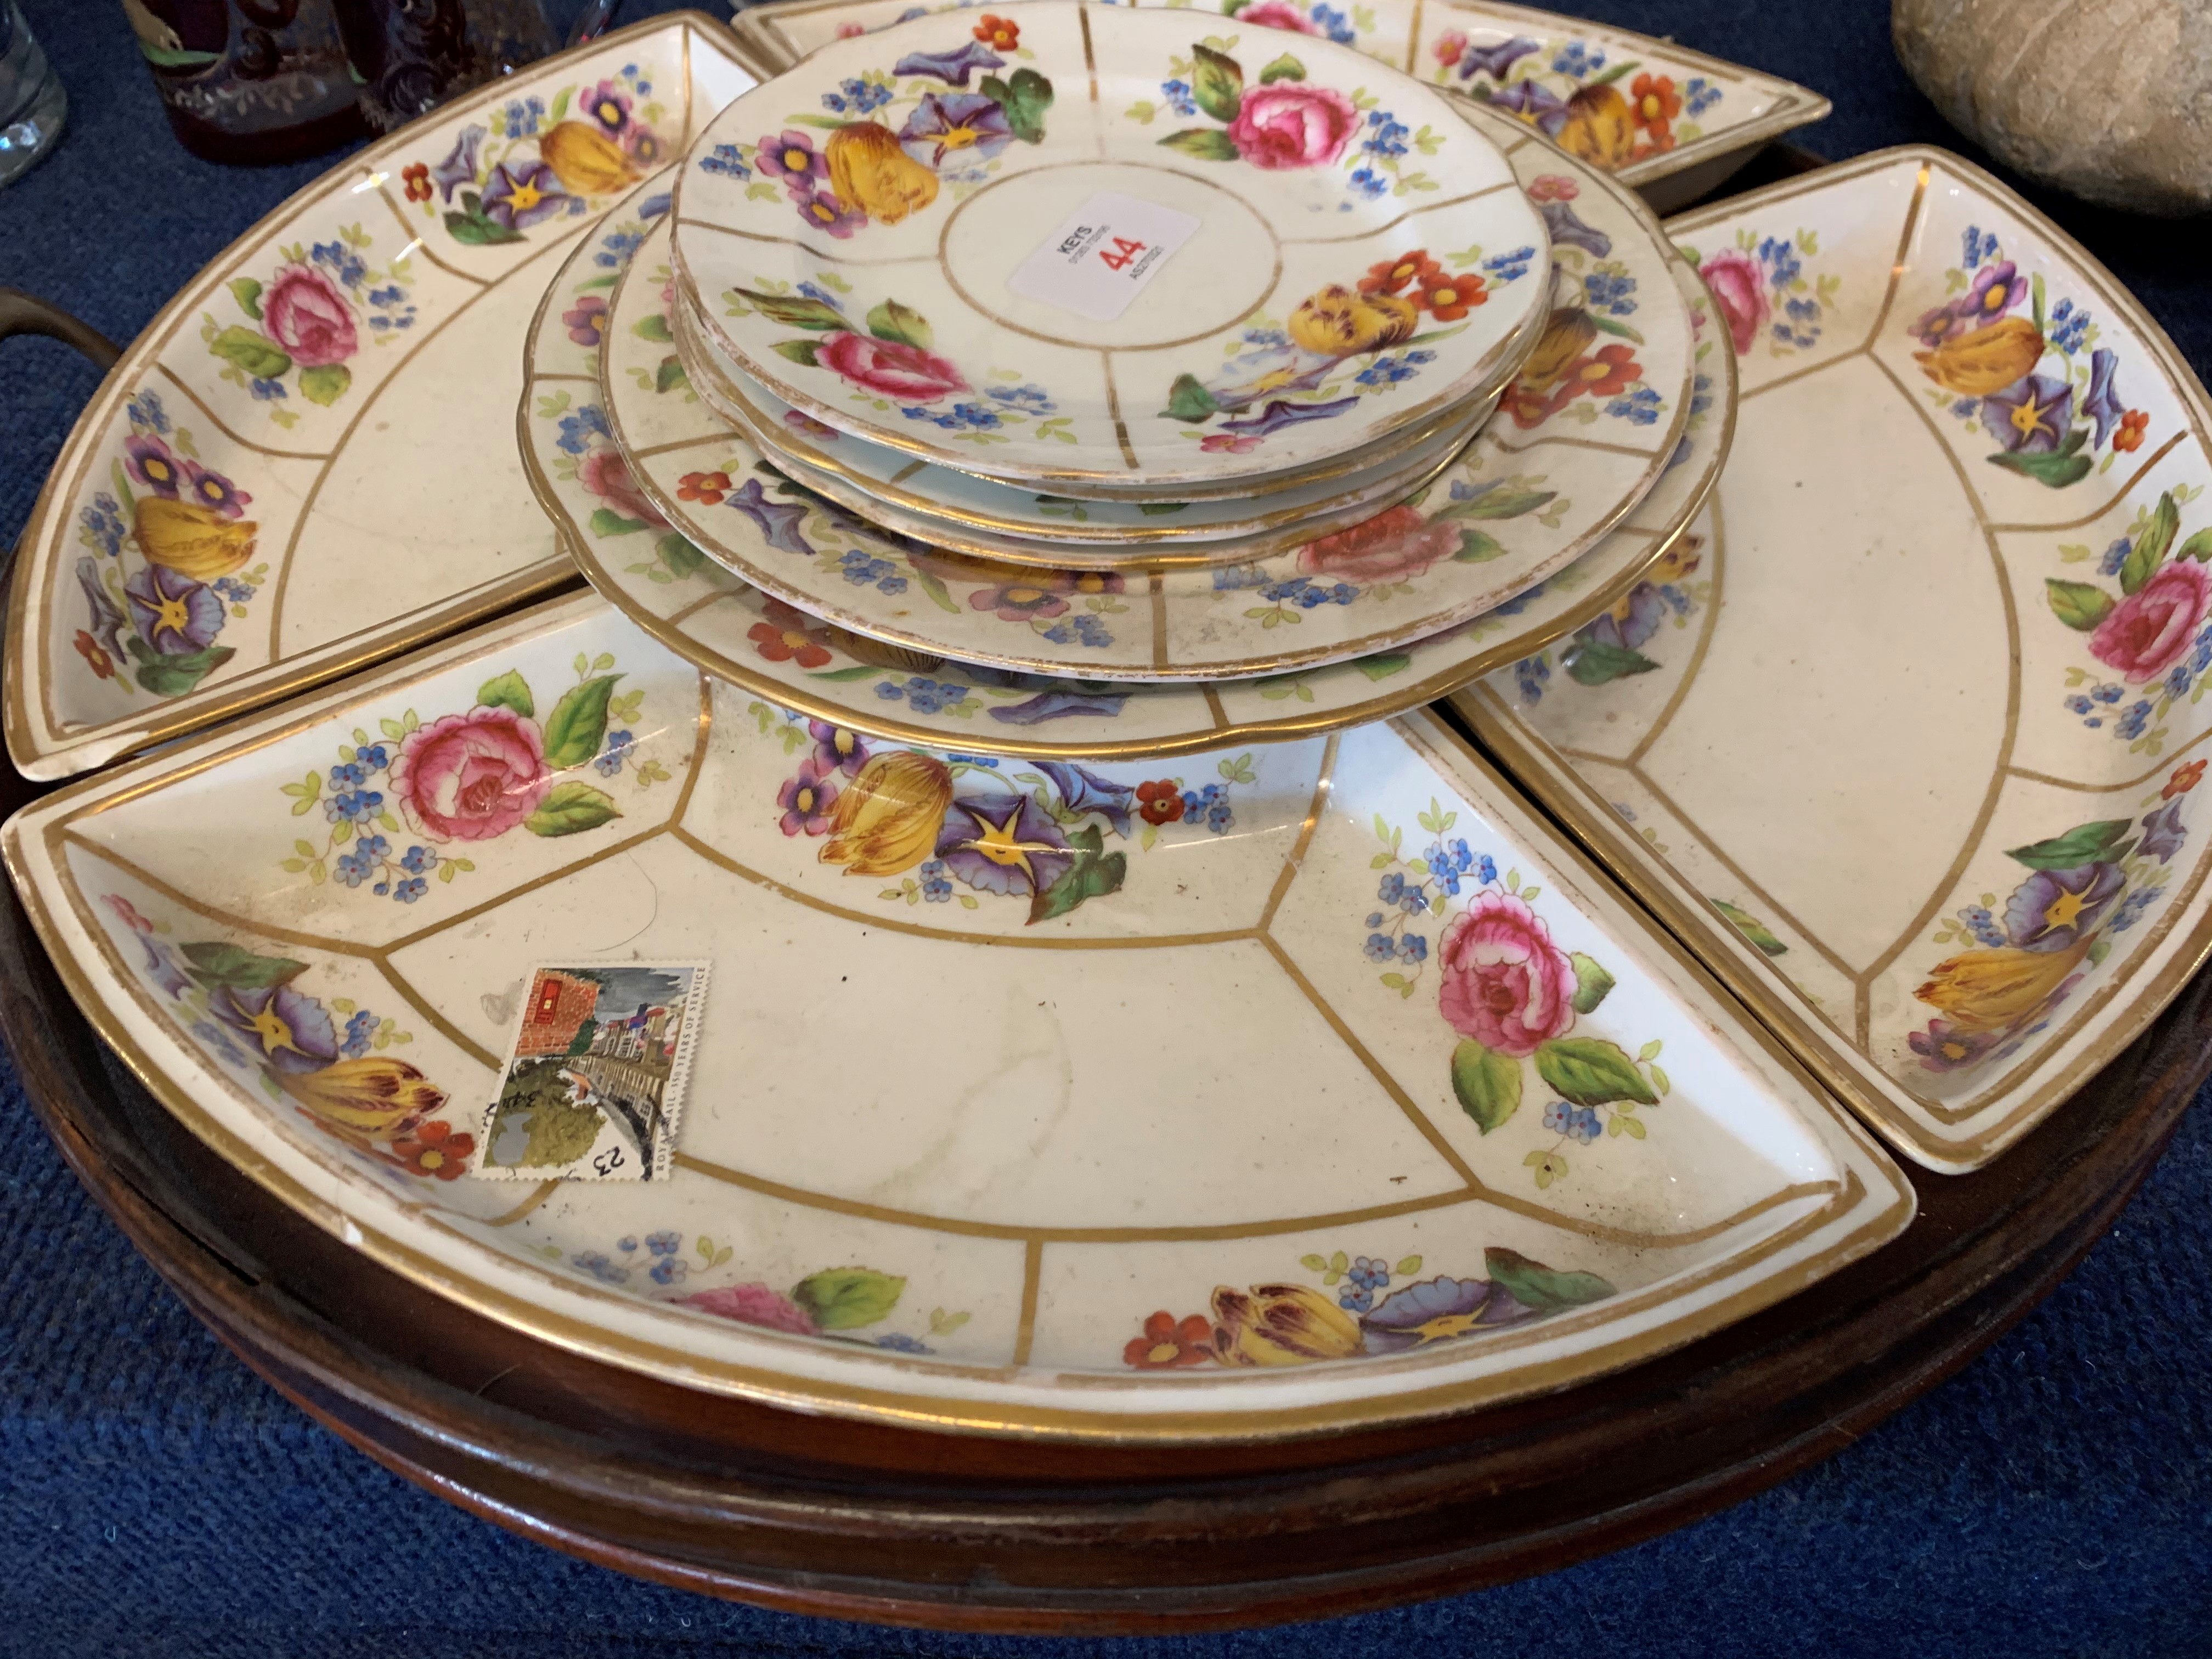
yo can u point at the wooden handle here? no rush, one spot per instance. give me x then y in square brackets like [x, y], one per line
[25, 314]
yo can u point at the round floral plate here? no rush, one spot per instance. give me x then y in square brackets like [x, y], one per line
[942, 244]
[740, 634]
[995, 519]
[1584, 435]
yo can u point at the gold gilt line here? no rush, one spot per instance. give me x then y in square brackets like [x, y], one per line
[1535, 1211]
[417, 244]
[1425, 207]
[804, 247]
[1996, 789]
[444, 1027]
[696, 605]
[1113, 411]
[537, 375]
[2118, 495]
[1157, 591]
[1090, 68]
[1297, 853]
[893, 925]
[1804, 373]
[2118, 784]
[1712, 626]
[559, 872]
[1033, 1252]
[1499, 444]
[1414, 39]
[1897, 266]
[706, 730]
[544, 1190]
[674, 444]
[1214, 710]
[207, 912]
[224, 426]
[909, 471]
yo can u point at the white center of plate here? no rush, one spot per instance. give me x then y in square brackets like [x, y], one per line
[1224, 266]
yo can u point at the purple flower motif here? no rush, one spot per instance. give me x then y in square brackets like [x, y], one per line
[1278, 414]
[1939, 324]
[518, 196]
[289, 1031]
[836, 749]
[806, 798]
[607, 104]
[460, 168]
[1944, 1047]
[106, 619]
[1543, 110]
[822, 210]
[2030, 416]
[1061, 705]
[2053, 907]
[148, 461]
[1560, 220]
[953, 68]
[793, 159]
[2103, 404]
[777, 522]
[1994, 294]
[174, 614]
[1494, 61]
[165, 973]
[965, 123]
[1084, 791]
[1003, 844]
[212, 489]
[1647, 608]
[2162, 833]
[1434, 1309]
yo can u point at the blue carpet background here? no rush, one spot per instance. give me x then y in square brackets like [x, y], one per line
[156, 1500]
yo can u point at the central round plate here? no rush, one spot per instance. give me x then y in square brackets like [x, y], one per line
[1100, 249]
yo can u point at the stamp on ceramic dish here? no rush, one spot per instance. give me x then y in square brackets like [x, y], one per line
[596, 1072]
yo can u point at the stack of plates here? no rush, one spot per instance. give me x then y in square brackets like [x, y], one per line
[1143, 389]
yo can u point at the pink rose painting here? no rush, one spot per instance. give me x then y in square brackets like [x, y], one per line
[754, 1304]
[1289, 124]
[607, 475]
[472, 776]
[309, 315]
[1505, 984]
[1393, 546]
[891, 368]
[1739, 288]
[2147, 632]
[1276, 14]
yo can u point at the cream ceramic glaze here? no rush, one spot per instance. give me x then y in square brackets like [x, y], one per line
[997, 257]
[1334, 1181]
[1706, 119]
[734, 631]
[302, 465]
[1932, 747]
[1583, 434]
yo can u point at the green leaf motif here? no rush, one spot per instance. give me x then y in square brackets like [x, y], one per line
[475, 228]
[1217, 83]
[892, 321]
[1591, 1072]
[606, 521]
[1285, 68]
[654, 328]
[1202, 144]
[1188, 401]
[570, 808]
[679, 556]
[1595, 662]
[251, 351]
[324, 385]
[2079, 606]
[1477, 546]
[1750, 926]
[171, 677]
[1545, 1289]
[1487, 1083]
[2197, 547]
[215, 964]
[2054, 468]
[1502, 502]
[2085, 844]
[247, 293]
[1094, 874]
[1024, 100]
[1591, 982]
[795, 310]
[670, 375]
[799, 351]
[578, 722]
[1383, 664]
[2149, 550]
[839, 1298]
[507, 690]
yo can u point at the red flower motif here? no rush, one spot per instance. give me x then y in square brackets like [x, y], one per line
[2133, 425]
[1608, 373]
[1000, 34]
[1531, 407]
[706, 489]
[417, 180]
[1160, 802]
[785, 644]
[1392, 275]
[1395, 545]
[1228, 443]
[434, 1152]
[1446, 298]
[1169, 1344]
[1653, 103]
[96, 655]
[2184, 779]
[1553, 187]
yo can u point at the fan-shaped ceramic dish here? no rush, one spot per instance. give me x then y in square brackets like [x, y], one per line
[1911, 752]
[990, 256]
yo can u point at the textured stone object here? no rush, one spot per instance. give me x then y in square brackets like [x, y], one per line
[2109, 100]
